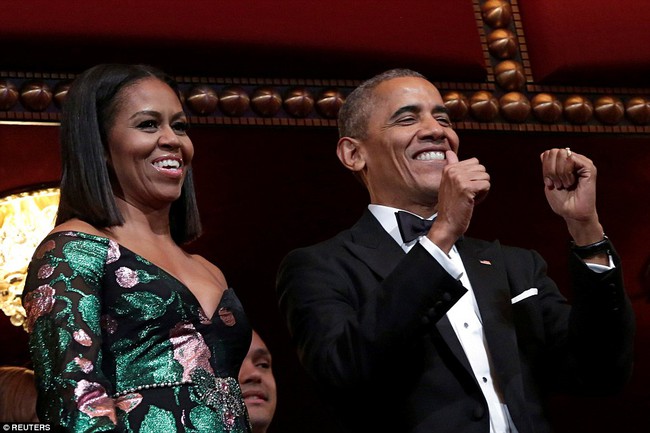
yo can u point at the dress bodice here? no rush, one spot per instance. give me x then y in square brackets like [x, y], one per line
[119, 343]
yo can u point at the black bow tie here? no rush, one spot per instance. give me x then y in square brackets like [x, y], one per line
[411, 226]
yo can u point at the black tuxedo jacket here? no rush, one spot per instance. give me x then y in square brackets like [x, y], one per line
[370, 327]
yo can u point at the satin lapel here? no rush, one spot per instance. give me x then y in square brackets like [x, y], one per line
[487, 273]
[447, 333]
[371, 244]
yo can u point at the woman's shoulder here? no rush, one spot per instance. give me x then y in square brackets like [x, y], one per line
[75, 230]
[85, 249]
[79, 226]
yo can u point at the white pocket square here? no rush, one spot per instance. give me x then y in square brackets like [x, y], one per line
[523, 295]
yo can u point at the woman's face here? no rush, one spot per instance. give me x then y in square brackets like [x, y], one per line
[149, 150]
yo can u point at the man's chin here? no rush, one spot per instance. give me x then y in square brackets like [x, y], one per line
[259, 418]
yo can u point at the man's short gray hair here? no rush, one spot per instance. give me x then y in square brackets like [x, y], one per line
[355, 112]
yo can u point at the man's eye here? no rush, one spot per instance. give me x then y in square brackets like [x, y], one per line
[148, 124]
[264, 365]
[406, 120]
[444, 121]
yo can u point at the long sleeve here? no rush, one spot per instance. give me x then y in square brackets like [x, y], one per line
[63, 304]
[582, 347]
[351, 327]
[601, 329]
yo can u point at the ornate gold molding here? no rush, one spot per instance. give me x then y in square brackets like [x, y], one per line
[508, 100]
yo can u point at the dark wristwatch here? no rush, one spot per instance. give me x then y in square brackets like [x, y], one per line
[586, 251]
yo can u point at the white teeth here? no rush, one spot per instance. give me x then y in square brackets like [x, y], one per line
[167, 163]
[428, 156]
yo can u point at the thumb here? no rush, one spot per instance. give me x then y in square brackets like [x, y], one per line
[452, 158]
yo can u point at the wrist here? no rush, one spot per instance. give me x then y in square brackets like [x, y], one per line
[600, 247]
[443, 239]
[585, 233]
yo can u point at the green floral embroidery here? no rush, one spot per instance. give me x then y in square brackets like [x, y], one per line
[158, 421]
[144, 305]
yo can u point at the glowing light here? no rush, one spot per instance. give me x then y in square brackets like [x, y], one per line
[25, 219]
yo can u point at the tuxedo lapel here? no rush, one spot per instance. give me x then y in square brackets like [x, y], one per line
[490, 285]
[372, 245]
[450, 338]
[487, 273]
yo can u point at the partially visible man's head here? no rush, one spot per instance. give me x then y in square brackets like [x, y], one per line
[258, 385]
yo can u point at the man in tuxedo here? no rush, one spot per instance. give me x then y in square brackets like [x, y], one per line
[409, 326]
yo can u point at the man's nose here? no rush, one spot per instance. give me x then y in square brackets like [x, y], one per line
[431, 128]
[250, 375]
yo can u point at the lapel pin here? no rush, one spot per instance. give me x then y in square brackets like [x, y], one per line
[485, 262]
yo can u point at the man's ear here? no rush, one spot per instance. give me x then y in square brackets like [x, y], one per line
[349, 152]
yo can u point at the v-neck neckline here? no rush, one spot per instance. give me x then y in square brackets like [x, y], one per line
[169, 274]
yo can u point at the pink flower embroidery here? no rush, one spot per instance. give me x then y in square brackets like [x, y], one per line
[84, 364]
[37, 303]
[126, 277]
[81, 337]
[45, 271]
[44, 248]
[203, 318]
[128, 402]
[113, 252]
[190, 349]
[93, 400]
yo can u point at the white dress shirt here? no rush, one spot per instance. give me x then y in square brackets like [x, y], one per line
[464, 316]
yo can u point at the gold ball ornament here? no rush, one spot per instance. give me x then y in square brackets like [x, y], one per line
[457, 104]
[60, 92]
[502, 44]
[546, 107]
[202, 100]
[496, 13]
[8, 95]
[266, 101]
[329, 103]
[484, 106]
[638, 110]
[578, 109]
[515, 107]
[609, 110]
[36, 95]
[233, 101]
[510, 75]
[298, 102]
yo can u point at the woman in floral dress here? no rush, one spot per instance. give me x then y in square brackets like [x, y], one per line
[128, 332]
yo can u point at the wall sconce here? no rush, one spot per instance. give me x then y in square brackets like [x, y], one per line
[25, 219]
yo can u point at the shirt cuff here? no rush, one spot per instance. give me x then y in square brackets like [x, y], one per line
[441, 257]
[599, 269]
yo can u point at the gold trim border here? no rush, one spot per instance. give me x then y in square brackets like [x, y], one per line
[510, 78]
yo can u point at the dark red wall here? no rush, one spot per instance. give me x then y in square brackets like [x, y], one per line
[264, 191]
